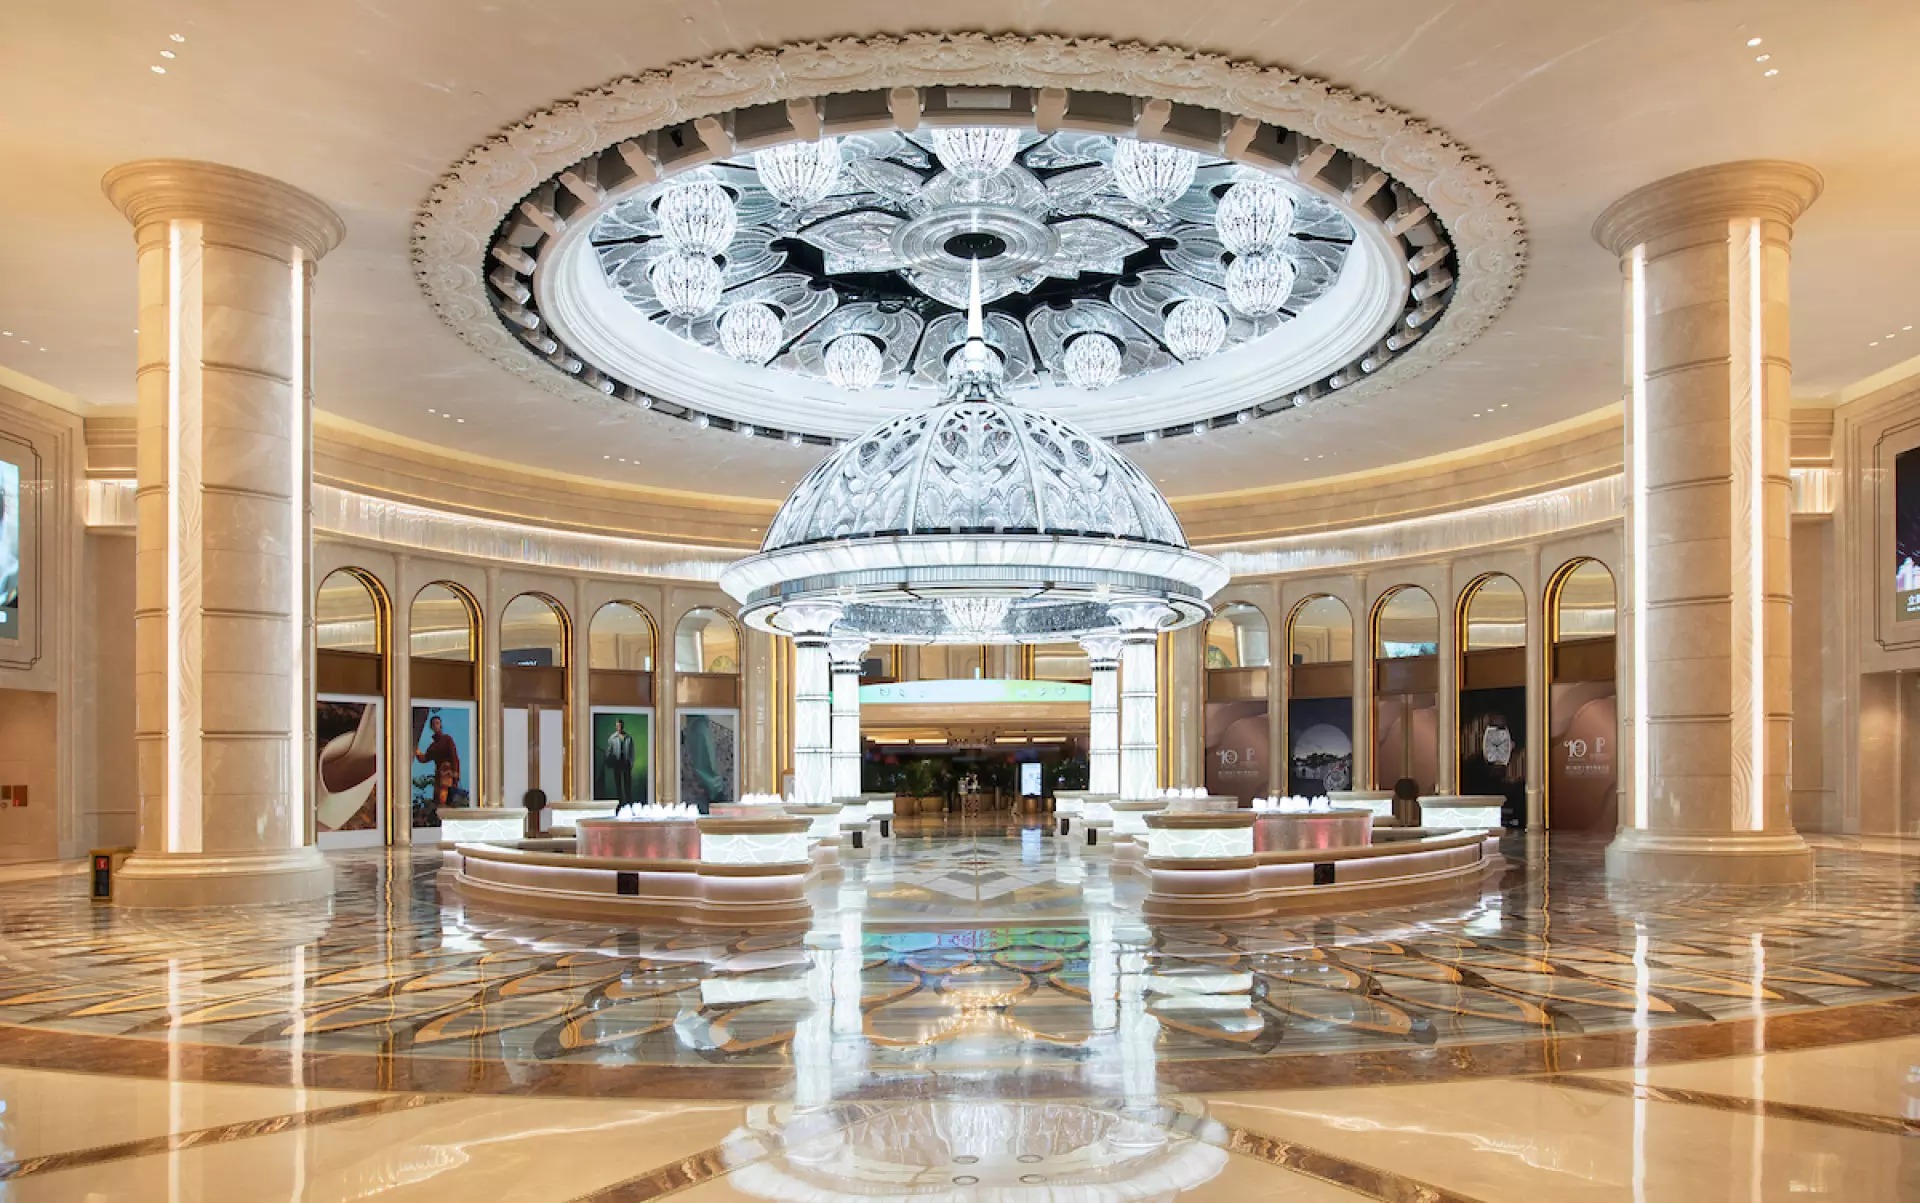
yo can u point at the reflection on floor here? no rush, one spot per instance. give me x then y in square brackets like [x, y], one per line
[976, 1013]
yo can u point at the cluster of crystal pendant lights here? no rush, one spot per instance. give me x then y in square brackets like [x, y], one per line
[697, 223]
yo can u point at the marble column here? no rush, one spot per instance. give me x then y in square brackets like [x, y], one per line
[1139, 624]
[1103, 713]
[224, 595]
[846, 653]
[1708, 698]
[809, 624]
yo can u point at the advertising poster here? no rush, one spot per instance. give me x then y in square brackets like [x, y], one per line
[622, 756]
[1493, 747]
[9, 551]
[346, 777]
[709, 750]
[1238, 748]
[442, 770]
[1319, 745]
[1906, 536]
[1581, 757]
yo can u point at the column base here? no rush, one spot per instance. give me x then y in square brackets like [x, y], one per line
[1715, 858]
[161, 879]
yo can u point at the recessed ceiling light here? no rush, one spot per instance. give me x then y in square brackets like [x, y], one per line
[462, 421]
[158, 69]
[1761, 58]
[7, 333]
[1874, 343]
[168, 54]
[1906, 327]
[1895, 334]
[177, 37]
[1753, 41]
[1503, 405]
[1770, 72]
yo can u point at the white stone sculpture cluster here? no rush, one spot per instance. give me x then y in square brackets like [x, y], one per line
[1292, 804]
[656, 812]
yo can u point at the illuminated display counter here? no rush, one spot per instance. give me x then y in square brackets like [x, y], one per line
[1297, 830]
[1479, 812]
[464, 824]
[1377, 802]
[745, 872]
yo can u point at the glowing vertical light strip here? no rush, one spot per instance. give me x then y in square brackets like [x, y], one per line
[299, 706]
[1637, 500]
[176, 704]
[1757, 535]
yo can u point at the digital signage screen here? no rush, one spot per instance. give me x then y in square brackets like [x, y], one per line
[1906, 535]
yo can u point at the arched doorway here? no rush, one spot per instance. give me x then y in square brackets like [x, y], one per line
[352, 626]
[1582, 722]
[1491, 633]
[706, 681]
[1238, 756]
[443, 654]
[1319, 734]
[535, 646]
[1406, 689]
[620, 646]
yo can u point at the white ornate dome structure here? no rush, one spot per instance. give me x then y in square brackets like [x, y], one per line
[974, 521]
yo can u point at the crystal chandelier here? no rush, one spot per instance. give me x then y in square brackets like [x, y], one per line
[1152, 174]
[976, 617]
[800, 174]
[1092, 361]
[1195, 330]
[1258, 285]
[750, 332]
[1254, 216]
[976, 153]
[687, 284]
[853, 362]
[697, 217]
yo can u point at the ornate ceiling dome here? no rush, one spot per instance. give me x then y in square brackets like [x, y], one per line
[975, 467]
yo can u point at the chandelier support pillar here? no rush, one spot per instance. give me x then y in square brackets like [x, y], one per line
[846, 653]
[1139, 624]
[1103, 713]
[812, 701]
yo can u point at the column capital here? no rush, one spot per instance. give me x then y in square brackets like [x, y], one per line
[1138, 617]
[1774, 189]
[804, 620]
[1102, 646]
[152, 190]
[847, 649]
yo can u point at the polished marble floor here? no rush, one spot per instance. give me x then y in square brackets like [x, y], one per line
[976, 1013]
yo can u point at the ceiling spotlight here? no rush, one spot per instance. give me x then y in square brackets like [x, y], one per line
[853, 362]
[976, 153]
[1151, 436]
[167, 54]
[1254, 216]
[702, 421]
[1770, 72]
[697, 217]
[1152, 174]
[800, 174]
[743, 430]
[177, 37]
[157, 69]
[687, 284]
[1195, 329]
[1092, 361]
[793, 440]
[750, 332]
[1753, 41]
[1761, 58]
[1243, 417]
[1258, 285]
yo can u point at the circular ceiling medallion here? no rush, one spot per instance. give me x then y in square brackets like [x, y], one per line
[1299, 242]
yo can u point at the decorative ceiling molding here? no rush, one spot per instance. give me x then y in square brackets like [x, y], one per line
[456, 227]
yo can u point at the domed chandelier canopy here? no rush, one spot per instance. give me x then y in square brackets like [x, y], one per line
[973, 521]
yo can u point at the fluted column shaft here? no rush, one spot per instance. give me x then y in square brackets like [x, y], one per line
[846, 655]
[1139, 697]
[809, 625]
[1103, 714]
[1709, 380]
[223, 607]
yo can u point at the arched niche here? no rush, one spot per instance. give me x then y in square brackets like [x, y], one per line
[1319, 716]
[706, 658]
[1582, 718]
[620, 649]
[443, 635]
[352, 625]
[1237, 735]
[536, 643]
[1406, 688]
[1492, 704]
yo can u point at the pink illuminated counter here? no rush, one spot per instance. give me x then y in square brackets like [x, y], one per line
[1299, 831]
[639, 839]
